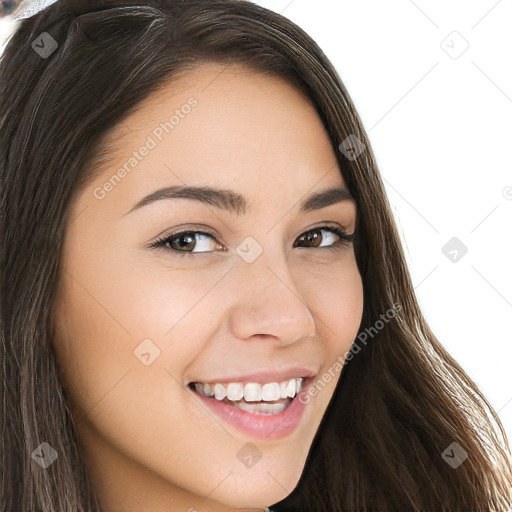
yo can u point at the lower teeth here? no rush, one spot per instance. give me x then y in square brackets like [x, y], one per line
[258, 407]
[262, 407]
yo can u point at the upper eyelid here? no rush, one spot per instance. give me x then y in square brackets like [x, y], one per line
[208, 231]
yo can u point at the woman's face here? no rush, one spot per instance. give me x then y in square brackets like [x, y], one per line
[246, 296]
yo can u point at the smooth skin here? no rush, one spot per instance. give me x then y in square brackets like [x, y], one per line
[148, 442]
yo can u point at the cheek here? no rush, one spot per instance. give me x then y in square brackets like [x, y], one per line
[336, 297]
[177, 310]
[338, 305]
[107, 328]
[109, 386]
[343, 309]
[92, 345]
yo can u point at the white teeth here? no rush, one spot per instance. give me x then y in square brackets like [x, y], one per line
[208, 389]
[261, 408]
[291, 388]
[282, 389]
[235, 391]
[270, 392]
[251, 391]
[220, 392]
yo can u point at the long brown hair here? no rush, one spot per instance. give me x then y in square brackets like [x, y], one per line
[403, 407]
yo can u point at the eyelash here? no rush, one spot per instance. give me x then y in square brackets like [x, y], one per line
[344, 241]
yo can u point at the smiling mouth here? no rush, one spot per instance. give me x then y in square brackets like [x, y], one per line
[264, 407]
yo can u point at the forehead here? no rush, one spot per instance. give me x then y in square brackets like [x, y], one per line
[222, 125]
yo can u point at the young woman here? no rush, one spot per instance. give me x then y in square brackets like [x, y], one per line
[205, 304]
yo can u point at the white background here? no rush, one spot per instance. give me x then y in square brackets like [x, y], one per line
[439, 122]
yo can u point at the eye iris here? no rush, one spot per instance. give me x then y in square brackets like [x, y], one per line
[191, 240]
[313, 237]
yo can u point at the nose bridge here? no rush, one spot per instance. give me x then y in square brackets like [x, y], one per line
[268, 300]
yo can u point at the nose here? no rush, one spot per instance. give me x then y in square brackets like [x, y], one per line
[269, 302]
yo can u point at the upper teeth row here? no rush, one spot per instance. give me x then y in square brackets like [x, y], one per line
[251, 391]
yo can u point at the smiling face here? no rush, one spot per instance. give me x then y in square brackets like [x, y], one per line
[264, 286]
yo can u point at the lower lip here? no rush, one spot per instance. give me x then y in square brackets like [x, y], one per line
[260, 426]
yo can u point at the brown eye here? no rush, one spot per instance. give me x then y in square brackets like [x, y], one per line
[313, 237]
[186, 241]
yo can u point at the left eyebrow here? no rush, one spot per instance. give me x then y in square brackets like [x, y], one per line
[232, 201]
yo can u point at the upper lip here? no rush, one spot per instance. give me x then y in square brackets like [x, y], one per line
[263, 375]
